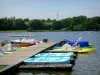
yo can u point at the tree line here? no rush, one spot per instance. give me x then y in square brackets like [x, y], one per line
[78, 23]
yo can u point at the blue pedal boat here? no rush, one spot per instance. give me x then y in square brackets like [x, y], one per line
[69, 54]
[48, 60]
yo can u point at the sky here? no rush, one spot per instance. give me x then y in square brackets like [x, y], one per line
[53, 9]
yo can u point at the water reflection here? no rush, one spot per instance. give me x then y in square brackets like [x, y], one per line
[86, 64]
[45, 72]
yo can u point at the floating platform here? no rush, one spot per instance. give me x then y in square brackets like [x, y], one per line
[46, 66]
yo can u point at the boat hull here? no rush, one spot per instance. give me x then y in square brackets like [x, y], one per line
[24, 45]
[82, 50]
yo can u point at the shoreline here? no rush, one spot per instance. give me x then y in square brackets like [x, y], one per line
[36, 31]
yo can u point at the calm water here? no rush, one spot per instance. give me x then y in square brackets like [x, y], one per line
[86, 64]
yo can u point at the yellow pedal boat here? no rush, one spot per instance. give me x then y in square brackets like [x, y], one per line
[81, 50]
[7, 52]
[10, 52]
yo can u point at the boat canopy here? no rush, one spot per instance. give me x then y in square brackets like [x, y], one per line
[71, 42]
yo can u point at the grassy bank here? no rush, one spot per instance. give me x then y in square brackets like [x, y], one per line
[13, 31]
[31, 31]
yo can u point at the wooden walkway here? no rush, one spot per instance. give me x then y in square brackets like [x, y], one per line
[19, 56]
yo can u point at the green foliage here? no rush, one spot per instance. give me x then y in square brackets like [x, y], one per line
[66, 22]
[26, 20]
[64, 29]
[79, 20]
[29, 29]
[78, 28]
[36, 24]
[78, 23]
[19, 24]
[56, 25]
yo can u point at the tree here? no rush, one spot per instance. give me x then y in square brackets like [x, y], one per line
[78, 28]
[36, 24]
[80, 20]
[75, 23]
[92, 23]
[66, 22]
[57, 25]
[19, 24]
[26, 20]
[2, 24]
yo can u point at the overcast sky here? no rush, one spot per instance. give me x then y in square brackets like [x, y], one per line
[43, 9]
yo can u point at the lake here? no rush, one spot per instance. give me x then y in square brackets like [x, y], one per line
[85, 64]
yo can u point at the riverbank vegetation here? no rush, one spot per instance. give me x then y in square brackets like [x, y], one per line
[79, 23]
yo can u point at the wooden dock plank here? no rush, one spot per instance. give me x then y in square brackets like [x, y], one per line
[19, 56]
